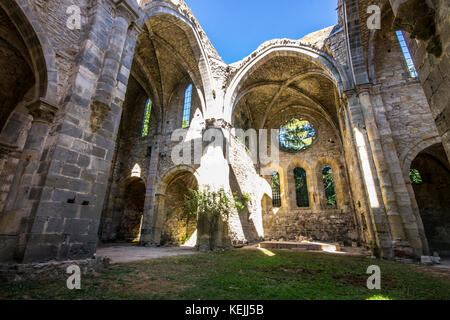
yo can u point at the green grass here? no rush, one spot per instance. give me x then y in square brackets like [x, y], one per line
[244, 274]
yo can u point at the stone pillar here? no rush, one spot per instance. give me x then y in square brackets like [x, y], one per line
[153, 237]
[78, 157]
[101, 101]
[377, 211]
[284, 188]
[24, 196]
[410, 217]
[387, 192]
[152, 200]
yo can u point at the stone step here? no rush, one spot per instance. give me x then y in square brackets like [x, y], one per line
[313, 246]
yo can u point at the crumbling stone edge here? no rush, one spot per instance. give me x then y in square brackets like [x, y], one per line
[50, 270]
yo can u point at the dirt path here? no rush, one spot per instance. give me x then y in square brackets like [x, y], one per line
[126, 253]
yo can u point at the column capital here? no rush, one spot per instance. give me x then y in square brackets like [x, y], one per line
[135, 31]
[363, 88]
[127, 9]
[42, 110]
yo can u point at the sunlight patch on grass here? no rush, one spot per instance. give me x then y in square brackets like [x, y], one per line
[267, 252]
[378, 297]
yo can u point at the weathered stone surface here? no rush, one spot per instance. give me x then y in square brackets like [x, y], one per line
[71, 123]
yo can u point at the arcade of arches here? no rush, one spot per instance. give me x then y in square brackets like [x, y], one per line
[91, 122]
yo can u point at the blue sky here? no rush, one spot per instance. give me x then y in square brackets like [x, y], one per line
[237, 27]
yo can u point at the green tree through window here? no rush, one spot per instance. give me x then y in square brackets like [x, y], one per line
[148, 112]
[328, 184]
[276, 191]
[415, 176]
[296, 135]
[301, 187]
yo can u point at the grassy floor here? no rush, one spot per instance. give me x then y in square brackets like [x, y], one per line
[244, 274]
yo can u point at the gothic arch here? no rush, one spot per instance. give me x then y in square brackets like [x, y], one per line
[340, 183]
[38, 45]
[182, 19]
[407, 158]
[329, 69]
[169, 198]
[172, 173]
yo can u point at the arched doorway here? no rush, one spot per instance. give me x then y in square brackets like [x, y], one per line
[430, 178]
[133, 211]
[177, 227]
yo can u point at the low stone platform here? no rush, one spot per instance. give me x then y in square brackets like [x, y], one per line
[313, 246]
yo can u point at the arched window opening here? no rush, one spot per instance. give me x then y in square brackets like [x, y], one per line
[296, 135]
[136, 172]
[187, 107]
[328, 184]
[415, 176]
[276, 190]
[407, 55]
[146, 122]
[301, 187]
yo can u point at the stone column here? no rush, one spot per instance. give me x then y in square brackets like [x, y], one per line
[27, 190]
[152, 200]
[153, 237]
[43, 114]
[377, 211]
[381, 165]
[284, 189]
[410, 217]
[78, 162]
[101, 101]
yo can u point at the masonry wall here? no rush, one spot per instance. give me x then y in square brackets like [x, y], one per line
[319, 221]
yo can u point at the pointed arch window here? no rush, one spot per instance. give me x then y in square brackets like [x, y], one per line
[328, 185]
[276, 190]
[187, 106]
[406, 55]
[146, 122]
[136, 171]
[301, 187]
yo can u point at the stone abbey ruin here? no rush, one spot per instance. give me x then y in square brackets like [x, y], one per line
[89, 112]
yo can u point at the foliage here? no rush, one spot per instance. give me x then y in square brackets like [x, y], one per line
[328, 183]
[241, 203]
[415, 176]
[276, 190]
[301, 187]
[296, 135]
[275, 182]
[205, 204]
[185, 124]
[146, 125]
[213, 204]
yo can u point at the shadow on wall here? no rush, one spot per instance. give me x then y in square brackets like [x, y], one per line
[130, 224]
